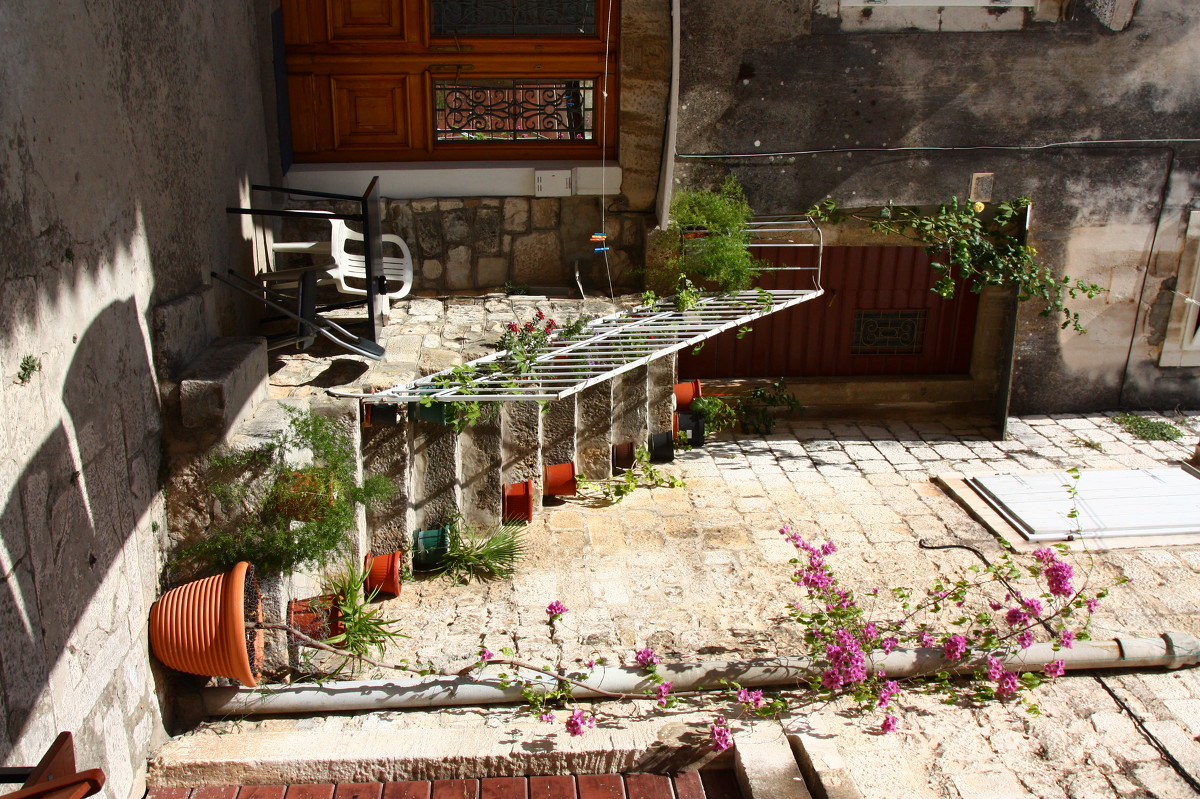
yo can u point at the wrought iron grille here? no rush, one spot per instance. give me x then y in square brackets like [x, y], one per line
[888, 332]
[514, 109]
[513, 18]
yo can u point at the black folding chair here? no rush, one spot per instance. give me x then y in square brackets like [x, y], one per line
[309, 322]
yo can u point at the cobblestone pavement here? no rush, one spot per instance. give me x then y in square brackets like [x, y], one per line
[701, 573]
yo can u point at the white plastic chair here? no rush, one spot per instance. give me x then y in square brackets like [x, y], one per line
[347, 265]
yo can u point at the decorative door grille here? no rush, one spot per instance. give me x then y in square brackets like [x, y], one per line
[888, 332]
[512, 109]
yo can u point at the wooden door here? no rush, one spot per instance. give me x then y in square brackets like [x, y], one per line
[403, 80]
[877, 318]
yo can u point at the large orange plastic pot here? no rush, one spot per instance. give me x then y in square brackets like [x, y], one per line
[685, 393]
[518, 502]
[558, 480]
[200, 627]
[383, 573]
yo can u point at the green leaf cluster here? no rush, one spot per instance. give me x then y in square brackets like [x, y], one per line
[977, 249]
[710, 240]
[278, 516]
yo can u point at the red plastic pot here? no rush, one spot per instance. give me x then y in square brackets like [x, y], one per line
[559, 480]
[200, 628]
[518, 502]
[383, 573]
[317, 617]
[685, 393]
[623, 455]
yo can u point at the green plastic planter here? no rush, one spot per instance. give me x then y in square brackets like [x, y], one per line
[429, 547]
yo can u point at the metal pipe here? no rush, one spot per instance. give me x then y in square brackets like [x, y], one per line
[1171, 650]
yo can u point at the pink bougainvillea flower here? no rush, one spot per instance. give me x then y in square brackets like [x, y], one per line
[580, 722]
[1055, 668]
[719, 736]
[888, 725]
[556, 609]
[646, 657]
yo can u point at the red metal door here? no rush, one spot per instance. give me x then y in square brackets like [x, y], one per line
[877, 318]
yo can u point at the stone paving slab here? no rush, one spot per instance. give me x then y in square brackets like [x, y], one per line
[701, 571]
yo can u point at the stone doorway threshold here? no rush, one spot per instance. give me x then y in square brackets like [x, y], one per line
[688, 785]
[1103, 504]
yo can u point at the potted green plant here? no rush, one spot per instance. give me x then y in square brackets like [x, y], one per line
[280, 516]
[474, 554]
[707, 243]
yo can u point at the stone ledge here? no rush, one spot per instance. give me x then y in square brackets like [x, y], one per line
[224, 384]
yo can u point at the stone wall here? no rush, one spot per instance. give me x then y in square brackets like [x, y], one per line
[486, 242]
[857, 109]
[124, 137]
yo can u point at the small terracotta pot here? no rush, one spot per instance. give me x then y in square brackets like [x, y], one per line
[559, 480]
[383, 573]
[317, 617]
[623, 455]
[518, 502]
[200, 628]
[685, 393]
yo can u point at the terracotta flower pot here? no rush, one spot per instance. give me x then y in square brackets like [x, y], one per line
[200, 627]
[558, 480]
[685, 393]
[518, 502]
[383, 572]
[317, 617]
[623, 455]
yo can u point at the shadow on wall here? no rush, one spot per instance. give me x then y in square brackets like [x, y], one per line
[81, 565]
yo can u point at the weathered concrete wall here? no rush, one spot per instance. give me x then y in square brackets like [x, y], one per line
[123, 136]
[769, 86]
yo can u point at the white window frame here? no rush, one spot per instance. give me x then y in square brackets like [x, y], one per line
[1182, 344]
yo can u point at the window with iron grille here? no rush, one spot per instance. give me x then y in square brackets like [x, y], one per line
[509, 18]
[514, 109]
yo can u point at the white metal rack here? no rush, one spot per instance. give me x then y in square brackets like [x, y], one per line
[622, 341]
[609, 346]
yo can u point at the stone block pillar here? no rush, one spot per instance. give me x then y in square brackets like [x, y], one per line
[629, 407]
[594, 436]
[660, 394]
[385, 452]
[433, 483]
[480, 473]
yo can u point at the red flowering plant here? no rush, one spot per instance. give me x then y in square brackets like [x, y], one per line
[525, 342]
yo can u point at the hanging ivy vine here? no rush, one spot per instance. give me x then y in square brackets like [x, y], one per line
[980, 250]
